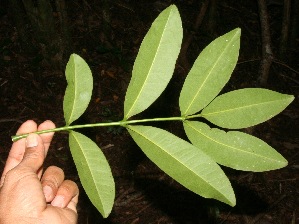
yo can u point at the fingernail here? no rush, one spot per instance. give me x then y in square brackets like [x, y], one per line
[31, 141]
[58, 201]
[47, 192]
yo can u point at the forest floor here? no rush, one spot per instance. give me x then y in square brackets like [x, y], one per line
[31, 89]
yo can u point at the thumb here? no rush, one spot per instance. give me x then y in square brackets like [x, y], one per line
[34, 155]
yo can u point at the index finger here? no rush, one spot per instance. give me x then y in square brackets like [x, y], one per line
[16, 153]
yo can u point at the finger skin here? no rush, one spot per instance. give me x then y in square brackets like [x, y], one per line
[46, 137]
[51, 180]
[21, 192]
[67, 195]
[18, 148]
[16, 153]
[34, 156]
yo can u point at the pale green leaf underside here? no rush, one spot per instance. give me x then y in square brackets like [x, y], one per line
[234, 149]
[184, 162]
[210, 72]
[155, 62]
[79, 88]
[94, 172]
[245, 107]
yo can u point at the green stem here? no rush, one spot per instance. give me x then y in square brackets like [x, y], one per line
[193, 116]
[120, 123]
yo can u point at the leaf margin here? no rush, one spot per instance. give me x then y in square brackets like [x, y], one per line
[228, 197]
[78, 92]
[104, 207]
[203, 94]
[205, 138]
[237, 120]
[129, 110]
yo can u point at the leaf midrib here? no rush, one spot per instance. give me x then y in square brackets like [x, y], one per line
[209, 74]
[239, 108]
[147, 77]
[85, 157]
[181, 163]
[75, 92]
[237, 149]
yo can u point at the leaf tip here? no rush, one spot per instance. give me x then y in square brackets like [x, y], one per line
[237, 31]
[283, 162]
[233, 202]
[292, 97]
[229, 199]
[173, 7]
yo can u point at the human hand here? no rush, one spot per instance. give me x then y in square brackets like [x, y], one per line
[27, 195]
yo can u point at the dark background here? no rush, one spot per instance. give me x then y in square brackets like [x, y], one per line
[36, 39]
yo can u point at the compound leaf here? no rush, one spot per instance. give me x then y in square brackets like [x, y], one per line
[94, 172]
[210, 72]
[234, 149]
[184, 162]
[155, 62]
[79, 88]
[245, 107]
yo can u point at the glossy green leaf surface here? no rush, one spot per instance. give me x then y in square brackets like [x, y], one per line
[79, 88]
[184, 162]
[234, 149]
[245, 107]
[94, 172]
[210, 72]
[155, 62]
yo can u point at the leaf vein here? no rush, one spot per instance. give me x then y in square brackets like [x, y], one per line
[151, 67]
[209, 73]
[234, 148]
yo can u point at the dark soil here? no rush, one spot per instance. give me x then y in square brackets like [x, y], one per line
[32, 89]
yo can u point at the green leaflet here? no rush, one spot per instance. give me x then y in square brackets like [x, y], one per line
[210, 72]
[79, 88]
[184, 162]
[234, 149]
[155, 62]
[94, 172]
[245, 107]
